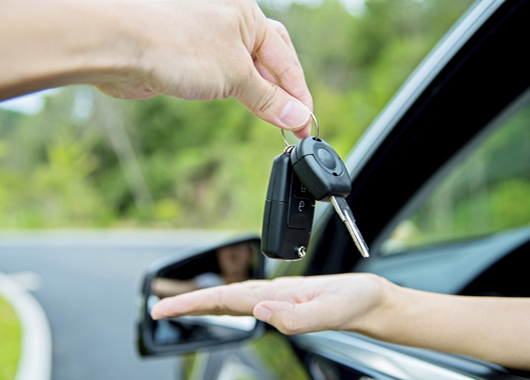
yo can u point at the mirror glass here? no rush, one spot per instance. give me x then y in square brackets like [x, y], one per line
[227, 264]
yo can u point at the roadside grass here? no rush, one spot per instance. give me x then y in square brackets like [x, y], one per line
[10, 340]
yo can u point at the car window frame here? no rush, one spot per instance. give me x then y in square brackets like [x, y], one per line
[441, 174]
[328, 230]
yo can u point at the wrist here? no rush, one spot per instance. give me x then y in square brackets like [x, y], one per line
[111, 54]
[385, 299]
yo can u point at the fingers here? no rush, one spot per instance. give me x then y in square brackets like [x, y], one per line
[288, 317]
[281, 61]
[237, 299]
[282, 31]
[273, 104]
[294, 305]
[284, 101]
[263, 71]
[276, 53]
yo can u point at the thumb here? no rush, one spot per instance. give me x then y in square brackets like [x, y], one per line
[270, 102]
[291, 318]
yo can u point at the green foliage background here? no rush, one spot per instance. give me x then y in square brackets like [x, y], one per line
[10, 341]
[90, 161]
[486, 192]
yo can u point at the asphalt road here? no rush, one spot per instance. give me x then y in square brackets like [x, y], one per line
[87, 283]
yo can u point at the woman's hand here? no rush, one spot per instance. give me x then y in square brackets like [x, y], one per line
[372, 306]
[294, 305]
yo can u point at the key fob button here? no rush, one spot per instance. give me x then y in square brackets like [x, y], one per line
[326, 159]
[299, 221]
[299, 189]
[300, 214]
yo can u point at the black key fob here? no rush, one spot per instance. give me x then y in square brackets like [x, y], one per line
[289, 210]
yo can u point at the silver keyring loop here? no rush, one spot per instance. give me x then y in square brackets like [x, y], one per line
[314, 119]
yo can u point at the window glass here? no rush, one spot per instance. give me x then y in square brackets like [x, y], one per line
[488, 192]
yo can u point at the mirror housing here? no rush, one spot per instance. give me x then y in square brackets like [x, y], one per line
[233, 261]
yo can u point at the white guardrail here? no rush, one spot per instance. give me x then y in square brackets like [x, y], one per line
[35, 361]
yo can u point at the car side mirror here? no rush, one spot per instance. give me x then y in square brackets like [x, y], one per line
[235, 261]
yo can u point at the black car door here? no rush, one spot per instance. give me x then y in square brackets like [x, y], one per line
[470, 95]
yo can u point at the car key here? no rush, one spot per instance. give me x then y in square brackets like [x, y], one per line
[325, 176]
[289, 210]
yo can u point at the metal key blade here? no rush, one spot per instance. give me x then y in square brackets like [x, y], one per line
[343, 209]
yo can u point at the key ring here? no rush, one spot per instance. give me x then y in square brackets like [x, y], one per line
[314, 119]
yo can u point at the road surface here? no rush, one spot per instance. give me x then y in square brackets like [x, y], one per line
[87, 283]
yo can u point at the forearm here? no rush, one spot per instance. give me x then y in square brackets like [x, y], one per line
[489, 328]
[53, 43]
[189, 49]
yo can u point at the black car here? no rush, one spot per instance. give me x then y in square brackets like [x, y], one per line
[441, 193]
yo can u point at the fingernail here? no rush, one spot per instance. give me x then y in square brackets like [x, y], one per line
[262, 313]
[295, 114]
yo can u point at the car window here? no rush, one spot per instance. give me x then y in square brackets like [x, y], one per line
[486, 192]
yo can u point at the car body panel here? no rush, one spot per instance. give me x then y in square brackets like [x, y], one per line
[475, 77]
[420, 140]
